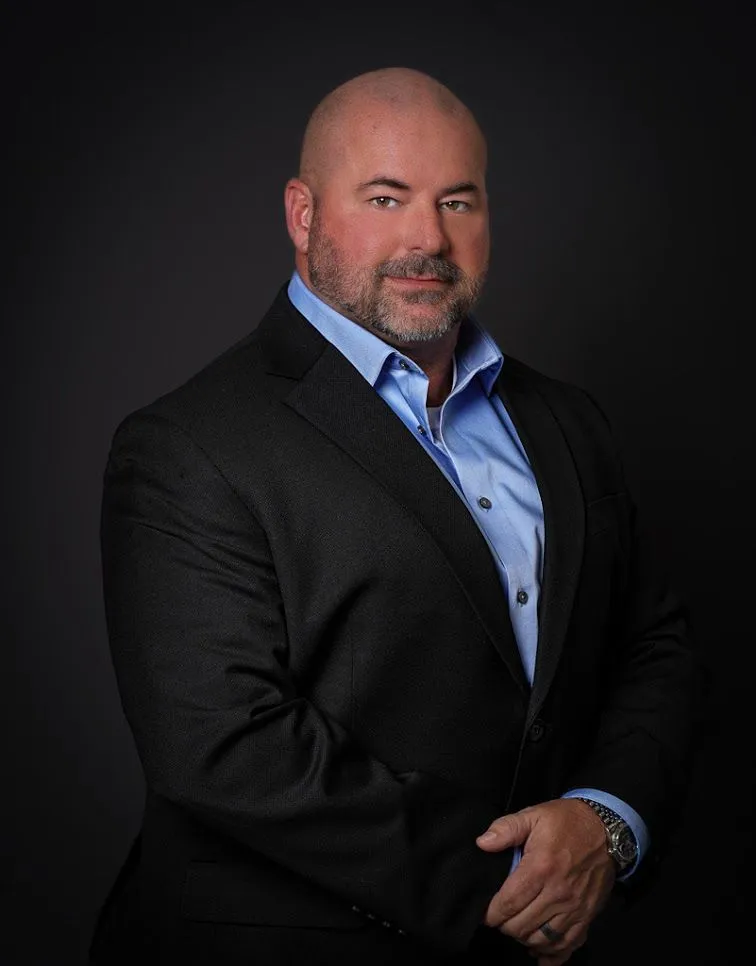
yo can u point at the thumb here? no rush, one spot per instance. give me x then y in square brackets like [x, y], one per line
[506, 831]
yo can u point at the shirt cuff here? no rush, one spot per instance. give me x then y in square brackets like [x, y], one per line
[516, 856]
[633, 819]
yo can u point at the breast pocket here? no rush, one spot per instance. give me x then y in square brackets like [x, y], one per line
[606, 514]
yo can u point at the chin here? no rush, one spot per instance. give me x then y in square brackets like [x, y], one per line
[419, 330]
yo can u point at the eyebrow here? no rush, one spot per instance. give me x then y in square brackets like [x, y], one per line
[385, 182]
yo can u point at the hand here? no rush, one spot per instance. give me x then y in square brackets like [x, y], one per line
[564, 877]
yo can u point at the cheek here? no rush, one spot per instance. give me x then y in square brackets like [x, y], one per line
[473, 251]
[364, 241]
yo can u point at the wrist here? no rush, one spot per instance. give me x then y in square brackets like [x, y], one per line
[620, 840]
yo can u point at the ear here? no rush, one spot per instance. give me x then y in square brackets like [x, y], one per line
[299, 203]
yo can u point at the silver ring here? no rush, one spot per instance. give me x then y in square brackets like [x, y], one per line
[551, 934]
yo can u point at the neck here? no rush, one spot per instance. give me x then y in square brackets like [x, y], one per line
[435, 359]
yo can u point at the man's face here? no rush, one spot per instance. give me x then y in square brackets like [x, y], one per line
[399, 237]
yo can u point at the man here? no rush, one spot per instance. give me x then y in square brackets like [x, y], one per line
[373, 589]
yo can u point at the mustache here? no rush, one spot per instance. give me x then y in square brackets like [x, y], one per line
[428, 265]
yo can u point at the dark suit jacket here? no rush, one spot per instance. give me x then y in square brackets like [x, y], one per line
[314, 654]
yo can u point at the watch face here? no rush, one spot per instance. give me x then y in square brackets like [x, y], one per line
[624, 845]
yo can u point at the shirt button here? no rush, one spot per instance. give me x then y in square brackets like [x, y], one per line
[403, 364]
[421, 430]
[522, 597]
[484, 502]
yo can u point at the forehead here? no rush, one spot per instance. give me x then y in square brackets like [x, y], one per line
[421, 146]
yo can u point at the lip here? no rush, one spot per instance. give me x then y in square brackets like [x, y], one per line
[417, 280]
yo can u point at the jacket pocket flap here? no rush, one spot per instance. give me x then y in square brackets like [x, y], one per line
[215, 892]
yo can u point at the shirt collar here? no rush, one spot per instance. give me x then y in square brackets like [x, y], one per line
[476, 352]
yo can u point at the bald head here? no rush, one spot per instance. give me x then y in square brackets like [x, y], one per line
[389, 214]
[371, 100]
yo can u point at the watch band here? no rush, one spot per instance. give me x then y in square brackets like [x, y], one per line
[607, 815]
[620, 838]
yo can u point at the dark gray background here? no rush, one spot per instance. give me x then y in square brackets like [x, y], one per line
[149, 146]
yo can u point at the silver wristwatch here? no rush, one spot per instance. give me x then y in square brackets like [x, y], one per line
[620, 841]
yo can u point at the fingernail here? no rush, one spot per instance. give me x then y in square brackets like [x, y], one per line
[488, 836]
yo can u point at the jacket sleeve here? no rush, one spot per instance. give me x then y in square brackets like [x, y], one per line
[653, 710]
[198, 635]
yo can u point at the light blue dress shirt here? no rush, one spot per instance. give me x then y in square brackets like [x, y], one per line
[474, 442]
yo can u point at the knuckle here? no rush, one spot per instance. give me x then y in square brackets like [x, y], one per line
[564, 896]
[503, 912]
[543, 866]
[514, 931]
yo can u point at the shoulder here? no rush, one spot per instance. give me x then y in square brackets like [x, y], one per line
[551, 410]
[567, 400]
[238, 392]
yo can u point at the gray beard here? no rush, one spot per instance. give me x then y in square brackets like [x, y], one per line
[356, 293]
[383, 319]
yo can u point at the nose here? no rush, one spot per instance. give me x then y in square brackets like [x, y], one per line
[424, 230]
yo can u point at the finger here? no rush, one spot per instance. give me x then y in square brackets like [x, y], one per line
[552, 936]
[554, 959]
[572, 938]
[525, 924]
[506, 831]
[512, 899]
[559, 929]
[527, 898]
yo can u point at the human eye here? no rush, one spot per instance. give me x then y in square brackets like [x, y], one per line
[383, 201]
[456, 205]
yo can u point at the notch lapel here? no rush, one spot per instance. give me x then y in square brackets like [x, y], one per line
[332, 395]
[564, 520]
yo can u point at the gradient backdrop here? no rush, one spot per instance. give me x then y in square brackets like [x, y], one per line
[149, 146]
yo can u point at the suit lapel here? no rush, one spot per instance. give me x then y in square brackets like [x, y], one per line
[332, 395]
[561, 495]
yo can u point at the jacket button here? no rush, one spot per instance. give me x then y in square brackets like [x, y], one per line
[537, 730]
